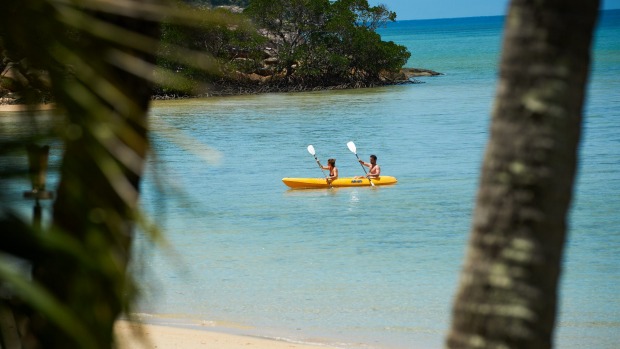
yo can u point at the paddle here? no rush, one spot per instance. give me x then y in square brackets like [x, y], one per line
[313, 153]
[352, 148]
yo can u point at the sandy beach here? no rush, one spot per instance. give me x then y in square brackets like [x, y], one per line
[133, 335]
[22, 107]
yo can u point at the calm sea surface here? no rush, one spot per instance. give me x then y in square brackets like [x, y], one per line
[363, 267]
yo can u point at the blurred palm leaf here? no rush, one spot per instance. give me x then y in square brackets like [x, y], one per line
[100, 56]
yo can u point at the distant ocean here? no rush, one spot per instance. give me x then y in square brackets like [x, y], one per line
[364, 267]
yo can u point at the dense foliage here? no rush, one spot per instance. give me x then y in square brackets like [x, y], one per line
[272, 45]
[313, 43]
[328, 42]
[231, 47]
[240, 3]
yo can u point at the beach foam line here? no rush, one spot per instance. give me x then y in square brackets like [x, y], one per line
[136, 335]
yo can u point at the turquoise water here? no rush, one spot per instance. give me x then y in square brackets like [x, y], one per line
[364, 267]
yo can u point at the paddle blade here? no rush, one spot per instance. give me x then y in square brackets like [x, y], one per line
[311, 150]
[351, 147]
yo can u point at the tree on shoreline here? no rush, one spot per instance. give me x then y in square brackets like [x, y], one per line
[300, 44]
[323, 42]
[508, 291]
[228, 39]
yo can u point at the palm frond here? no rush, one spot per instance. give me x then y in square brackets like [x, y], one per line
[100, 55]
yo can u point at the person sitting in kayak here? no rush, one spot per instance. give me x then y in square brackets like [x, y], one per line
[374, 171]
[333, 170]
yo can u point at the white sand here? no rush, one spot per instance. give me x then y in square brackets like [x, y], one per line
[164, 337]
[22, 107]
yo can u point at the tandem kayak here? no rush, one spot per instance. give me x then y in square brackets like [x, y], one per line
[316, 183]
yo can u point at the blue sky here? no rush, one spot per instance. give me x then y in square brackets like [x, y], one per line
[426, 9]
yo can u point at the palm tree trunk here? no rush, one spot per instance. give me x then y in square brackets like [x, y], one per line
[508, 291]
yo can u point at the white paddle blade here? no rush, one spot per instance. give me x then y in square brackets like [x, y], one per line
[351, 147]
[311, 150]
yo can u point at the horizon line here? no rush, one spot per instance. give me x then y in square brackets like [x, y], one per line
[460, 17]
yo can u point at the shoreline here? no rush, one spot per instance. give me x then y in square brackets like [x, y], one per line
[25, 107]
[405, 76]
[134, 334]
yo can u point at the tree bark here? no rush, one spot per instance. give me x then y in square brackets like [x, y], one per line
[508, 290]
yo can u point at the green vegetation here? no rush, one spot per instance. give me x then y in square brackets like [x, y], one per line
[231, 48]
[319, 42]
[272, 45]
[240, 3]
[288, 45]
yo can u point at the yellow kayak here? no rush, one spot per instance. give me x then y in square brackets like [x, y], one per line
[316, 183]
